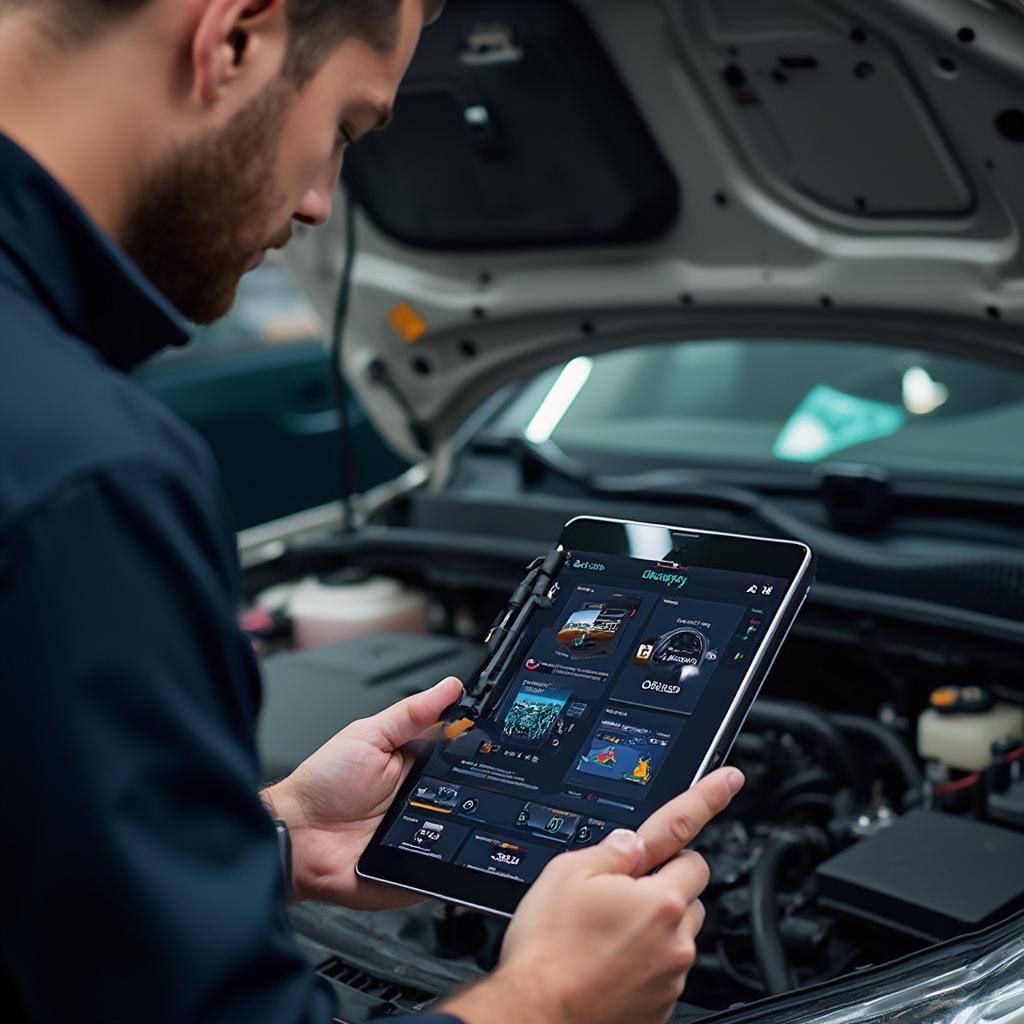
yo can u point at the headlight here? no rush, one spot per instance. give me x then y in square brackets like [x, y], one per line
[974, 980]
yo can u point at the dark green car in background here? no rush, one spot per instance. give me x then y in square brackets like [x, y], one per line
[257, 386]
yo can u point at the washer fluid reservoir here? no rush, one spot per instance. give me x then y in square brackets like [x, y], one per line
[960, 726]
[332, 608]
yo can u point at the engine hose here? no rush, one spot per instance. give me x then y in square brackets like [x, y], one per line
[891, 743]
[805, 801]
[805, 781]
[764, 906]
[808, 722]
[748, 745]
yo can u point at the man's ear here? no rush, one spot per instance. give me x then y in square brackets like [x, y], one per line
[234, 38]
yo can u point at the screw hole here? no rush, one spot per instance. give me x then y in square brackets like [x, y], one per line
[860, 202]
[863, 69]
[859, 36]
[826, 301]
[421, 366]
[1010, 124]
[966, 34]
[587, 328]
[993, 312]
[686, 299]
[721, 199]
[479, 313]
[946, 65]
[734, 76]
[468, 348]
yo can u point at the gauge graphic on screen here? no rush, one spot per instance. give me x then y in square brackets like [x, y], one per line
[683, 649]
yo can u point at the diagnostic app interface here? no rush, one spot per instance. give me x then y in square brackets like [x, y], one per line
[590, 733]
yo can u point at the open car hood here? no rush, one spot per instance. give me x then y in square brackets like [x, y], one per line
[565, 178]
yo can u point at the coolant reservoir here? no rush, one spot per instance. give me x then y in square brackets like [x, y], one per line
[959, 728]
[325, 611]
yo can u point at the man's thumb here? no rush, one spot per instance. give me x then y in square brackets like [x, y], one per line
[404, 721]
[619, 853]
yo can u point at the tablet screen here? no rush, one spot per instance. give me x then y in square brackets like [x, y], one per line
[615, 695]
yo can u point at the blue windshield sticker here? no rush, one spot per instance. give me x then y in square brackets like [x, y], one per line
[827, 421]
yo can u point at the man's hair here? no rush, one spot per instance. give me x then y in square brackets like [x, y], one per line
[316, 27]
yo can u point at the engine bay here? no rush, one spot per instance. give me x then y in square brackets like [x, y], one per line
[883, 752]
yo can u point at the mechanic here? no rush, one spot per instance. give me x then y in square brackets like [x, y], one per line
[150, 152]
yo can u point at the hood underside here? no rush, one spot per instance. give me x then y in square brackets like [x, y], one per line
[567, 178]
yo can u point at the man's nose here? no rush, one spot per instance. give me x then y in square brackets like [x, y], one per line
[315, 206]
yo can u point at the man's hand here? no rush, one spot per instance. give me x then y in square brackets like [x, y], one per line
[599, 940]
[334, 801]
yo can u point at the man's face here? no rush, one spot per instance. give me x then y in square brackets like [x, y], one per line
[212, 209]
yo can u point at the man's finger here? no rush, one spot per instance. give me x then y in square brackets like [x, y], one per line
[693, 920]
[673, 826]
[404, 721]
[686, 874]
[618, 853]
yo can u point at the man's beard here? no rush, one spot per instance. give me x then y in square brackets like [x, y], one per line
[201, 219]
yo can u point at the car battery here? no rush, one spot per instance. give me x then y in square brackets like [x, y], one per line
[930, 875]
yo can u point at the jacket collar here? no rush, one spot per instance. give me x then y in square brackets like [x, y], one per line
[93, 289]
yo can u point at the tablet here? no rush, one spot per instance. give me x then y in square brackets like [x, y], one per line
[620, 674]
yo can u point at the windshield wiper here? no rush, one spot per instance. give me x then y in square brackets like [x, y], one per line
[856, 498]
[681, 485]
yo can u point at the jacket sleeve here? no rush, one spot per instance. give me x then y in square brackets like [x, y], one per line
[142, 879]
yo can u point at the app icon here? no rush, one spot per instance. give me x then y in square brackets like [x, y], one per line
[643, 653]
[430, 832]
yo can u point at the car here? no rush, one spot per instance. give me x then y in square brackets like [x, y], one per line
[740, 265]
[257, 386]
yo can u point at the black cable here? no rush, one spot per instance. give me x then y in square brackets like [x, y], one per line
[348, 475]
[891, 743]
[731, 971]
[764, 906]
[803, 720]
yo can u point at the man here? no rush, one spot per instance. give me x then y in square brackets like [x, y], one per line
[150, 152]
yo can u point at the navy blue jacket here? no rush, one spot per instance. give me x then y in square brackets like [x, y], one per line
[141, 878]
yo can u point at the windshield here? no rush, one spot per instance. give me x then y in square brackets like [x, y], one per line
[785, 404]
